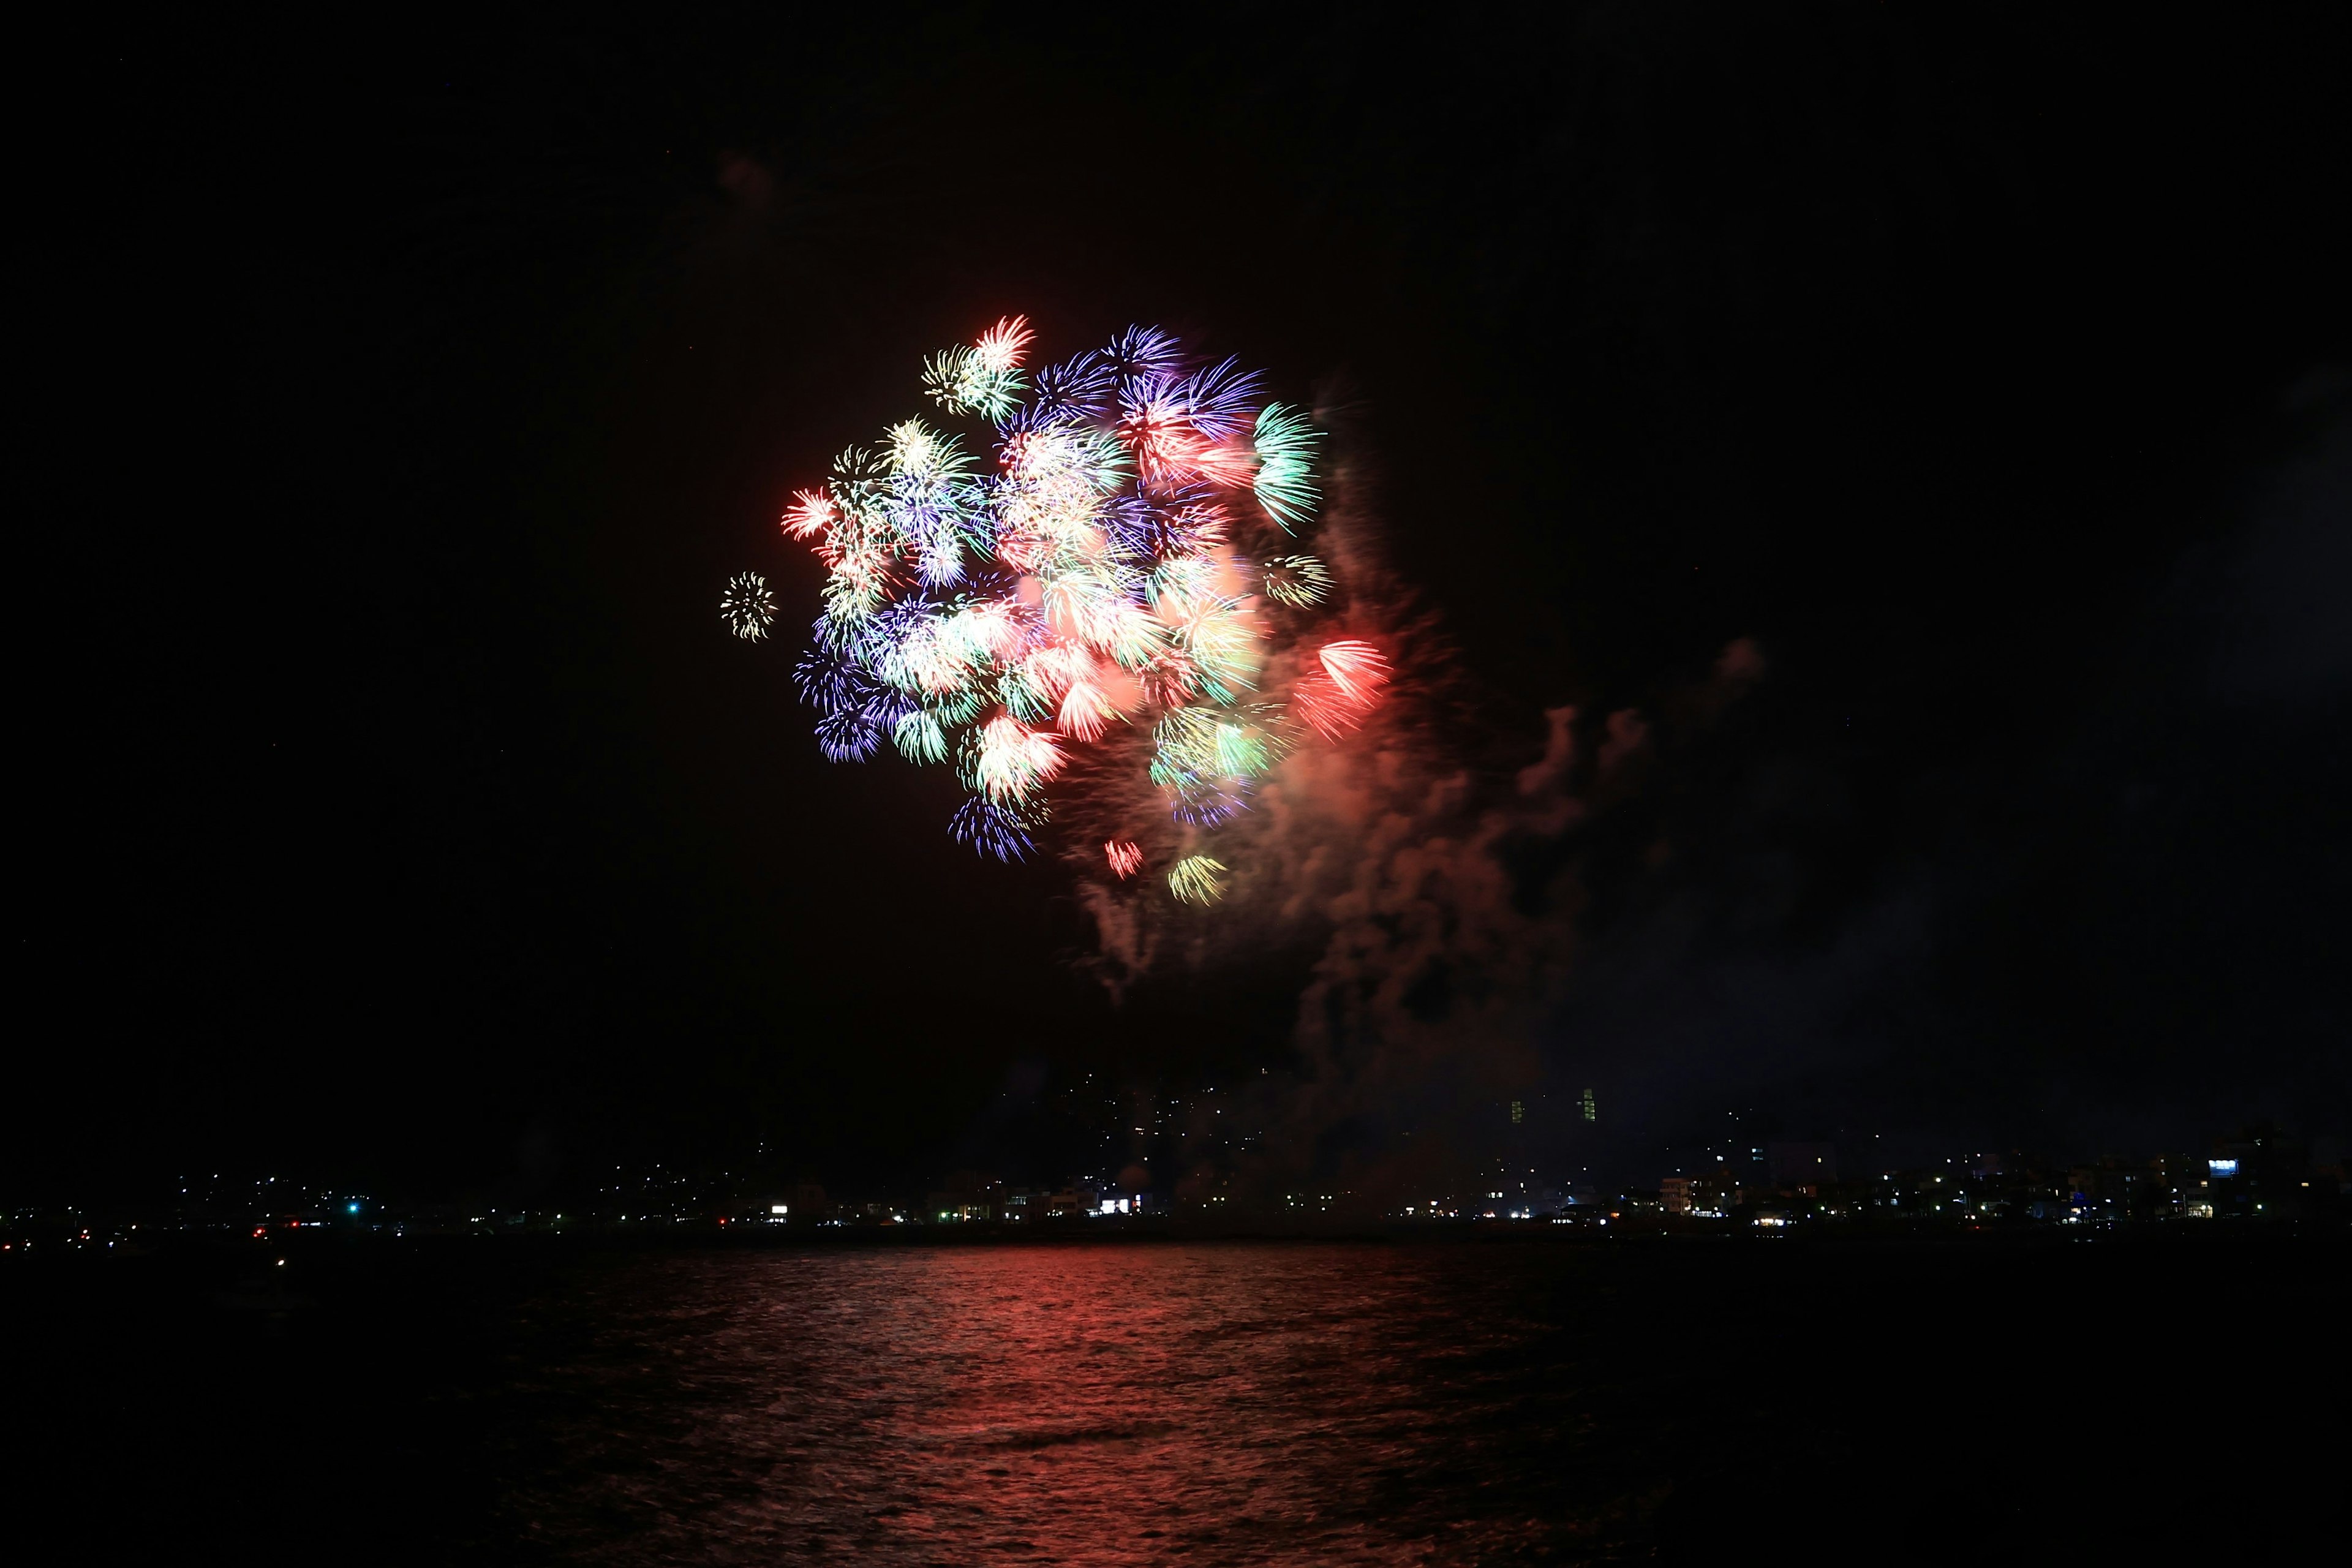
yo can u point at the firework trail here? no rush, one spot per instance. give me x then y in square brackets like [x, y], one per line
[1112, 618]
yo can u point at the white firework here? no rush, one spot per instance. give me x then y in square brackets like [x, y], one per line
[747, 607]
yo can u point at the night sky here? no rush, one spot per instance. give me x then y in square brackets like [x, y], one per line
[397, 810]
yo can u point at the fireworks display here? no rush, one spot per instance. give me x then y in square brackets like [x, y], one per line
[1111, 620]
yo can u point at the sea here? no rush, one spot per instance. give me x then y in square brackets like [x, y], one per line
[1462, 1400]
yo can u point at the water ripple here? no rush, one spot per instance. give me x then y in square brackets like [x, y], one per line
[1083, 1404]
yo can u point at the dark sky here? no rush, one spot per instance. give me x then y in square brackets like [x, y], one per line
[399, 811]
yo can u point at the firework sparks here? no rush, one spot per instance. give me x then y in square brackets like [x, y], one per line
[1349, 678]
[1093, 621]
[1197, 880]
[1299, 581]
[747, 606]
[1286, 475]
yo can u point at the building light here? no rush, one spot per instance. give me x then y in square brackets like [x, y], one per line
[2223, 1167]
[779, 1208]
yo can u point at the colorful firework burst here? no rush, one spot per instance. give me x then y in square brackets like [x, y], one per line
[1095, 624]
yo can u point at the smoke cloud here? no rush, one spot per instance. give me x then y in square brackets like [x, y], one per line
[1438, 883]
[1732, 913]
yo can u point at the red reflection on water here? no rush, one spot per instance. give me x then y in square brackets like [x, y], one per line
[1065, 1404]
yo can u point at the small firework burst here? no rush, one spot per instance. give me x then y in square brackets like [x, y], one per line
[1299, 581]
[1197, 880]
[747, 606]
[1346, 686]
[1286, 475]
[1007, 830]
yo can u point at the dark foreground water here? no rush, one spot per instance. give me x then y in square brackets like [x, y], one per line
[1238, 1403]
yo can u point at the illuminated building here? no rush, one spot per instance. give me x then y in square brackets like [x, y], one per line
[2260, 1174]
[1708, 1198]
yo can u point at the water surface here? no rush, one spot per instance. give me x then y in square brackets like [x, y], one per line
[1108, 1404]
[507, 1402]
